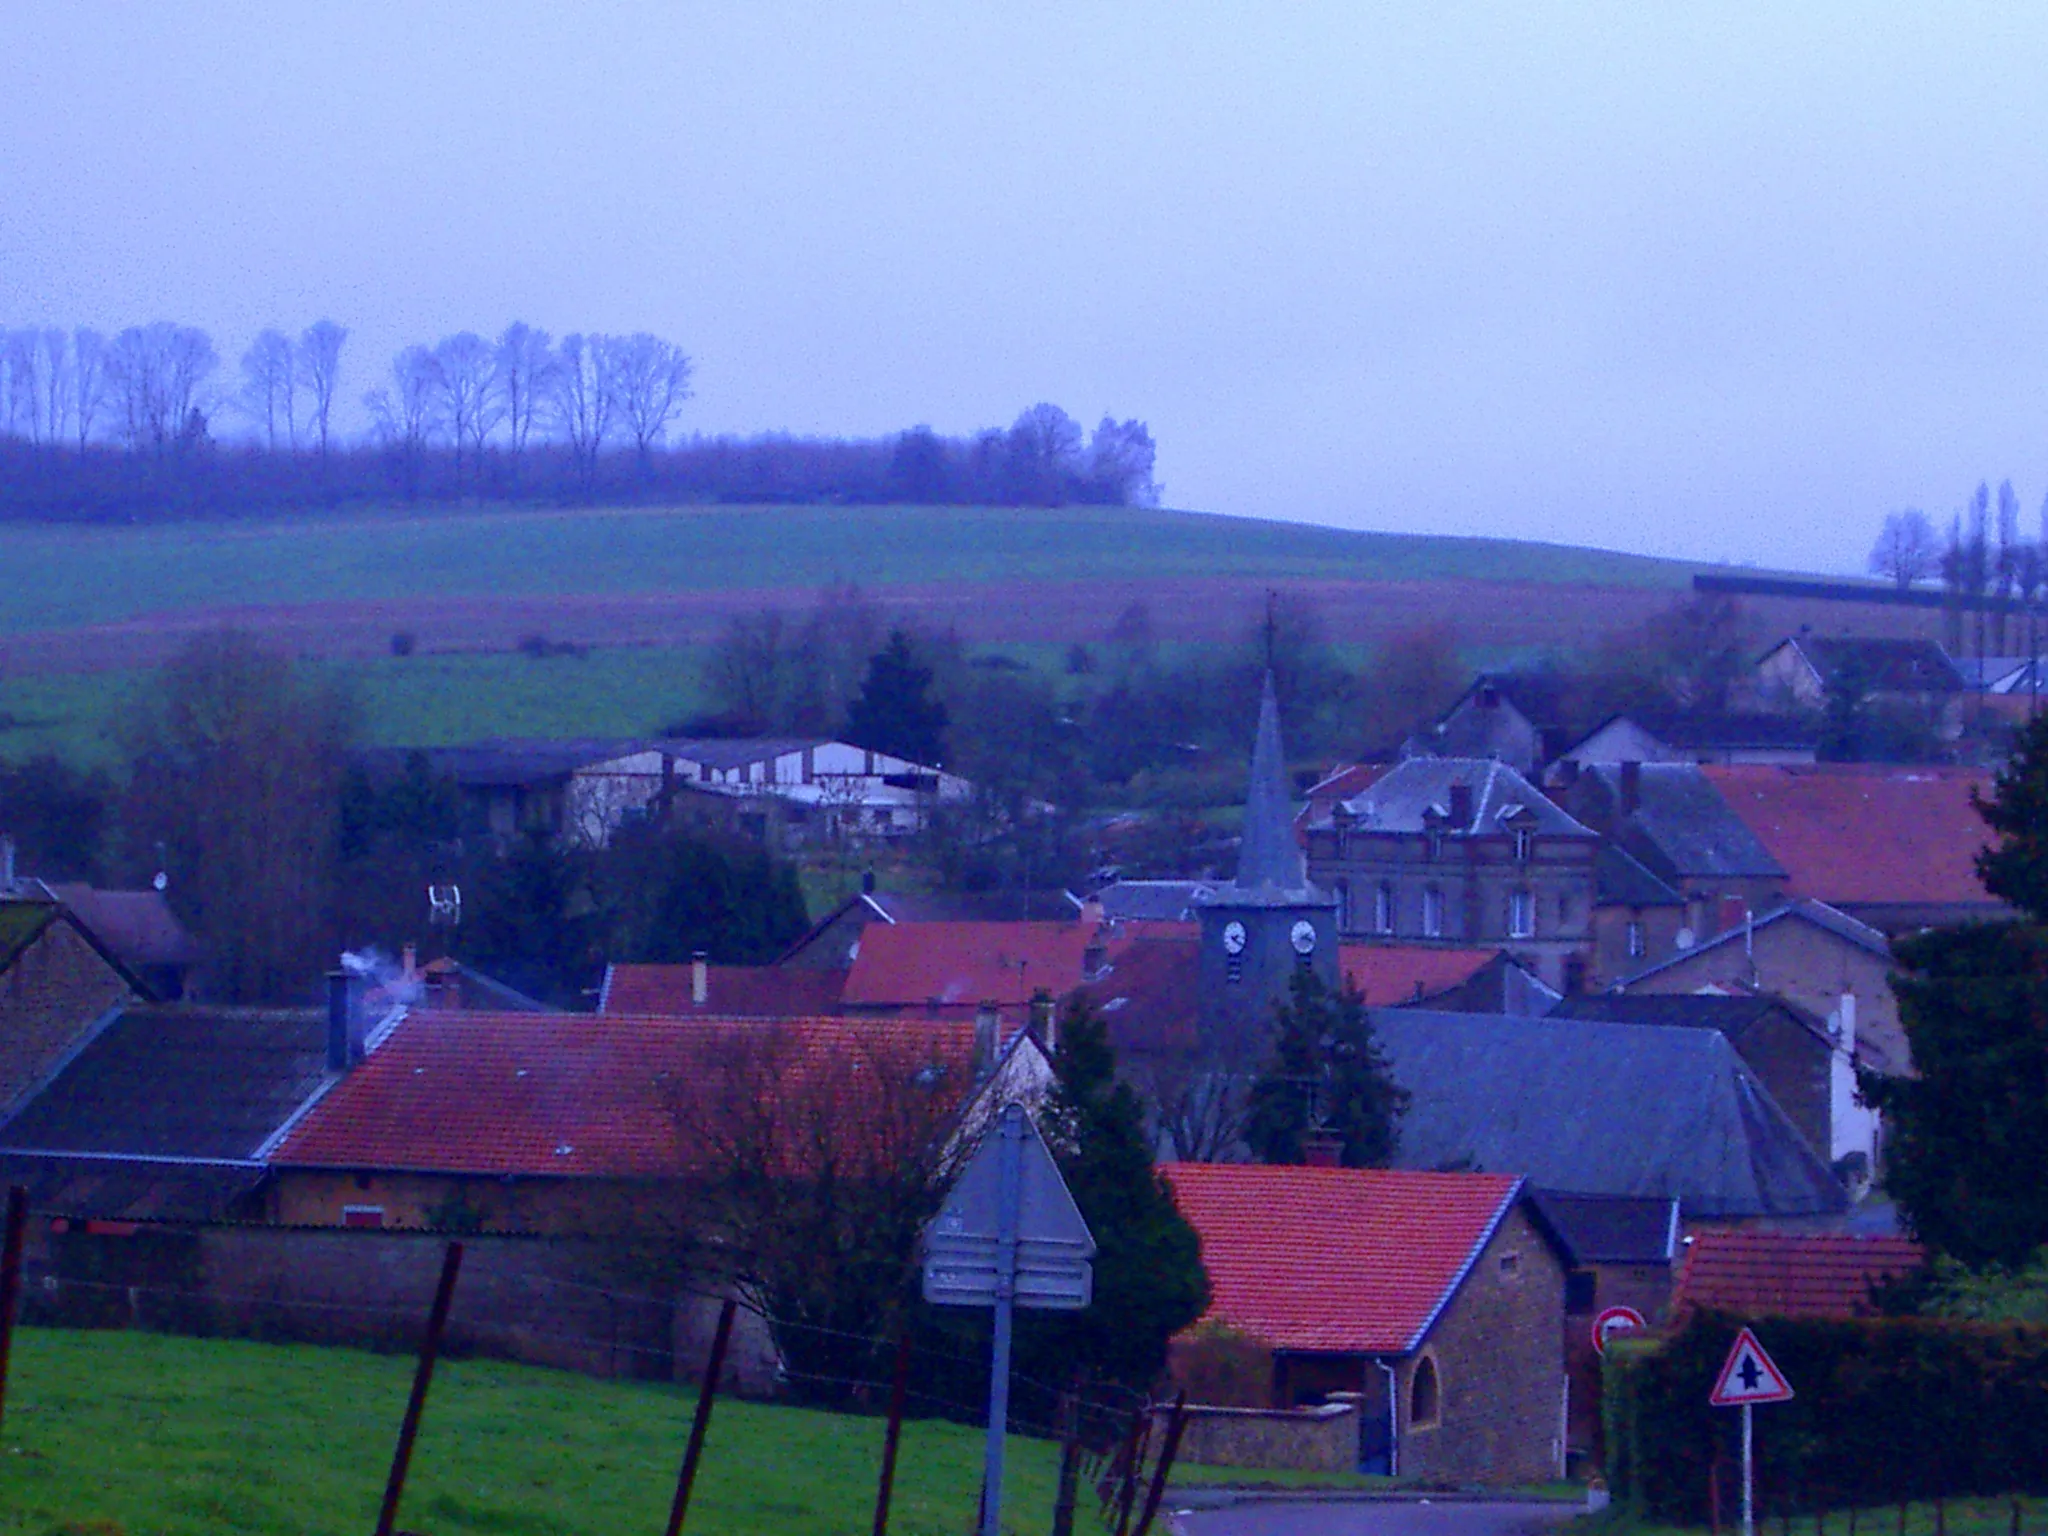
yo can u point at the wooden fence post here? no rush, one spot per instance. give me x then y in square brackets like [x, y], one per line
[898, 1389]
[10, 1280]
[422, 1378]
[701, 1424]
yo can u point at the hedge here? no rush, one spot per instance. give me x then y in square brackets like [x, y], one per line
[1886, 1409]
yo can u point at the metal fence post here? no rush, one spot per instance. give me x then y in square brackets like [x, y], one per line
[10, 1280]
[423, 1377]
[701, 1424]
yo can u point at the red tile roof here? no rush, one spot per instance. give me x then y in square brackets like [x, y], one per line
[1150, 995]
[608, 1096]
[1343, 1260]
[1863, 834]
[732, 991]
[959, 965]
[1392, 974]
[1789, 1274]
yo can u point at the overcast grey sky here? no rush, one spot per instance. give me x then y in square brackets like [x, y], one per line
[1719, 280]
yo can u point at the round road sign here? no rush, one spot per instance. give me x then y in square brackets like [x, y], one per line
[1615, 1320]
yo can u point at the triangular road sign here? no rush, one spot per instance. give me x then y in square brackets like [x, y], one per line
[1046, 1212]
[1749, 1376]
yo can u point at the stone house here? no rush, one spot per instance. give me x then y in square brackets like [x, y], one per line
[1670, 819]
[59, 985]
[1431, 1301]
[1464, 852]
[1823, 962]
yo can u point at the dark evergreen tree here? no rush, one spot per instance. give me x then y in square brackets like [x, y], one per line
[1326, 1077]
[1149, 1281]
[59, 817]
[895, 711]
[1967, 1133]
[2016, 867]
[667, 895]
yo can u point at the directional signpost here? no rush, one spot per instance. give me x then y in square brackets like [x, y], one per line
[1748, 1377]
[1008, 1235]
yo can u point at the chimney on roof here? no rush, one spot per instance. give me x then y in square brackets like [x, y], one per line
[409, 964]
[867, 882]
[1631, 787]
[6, 865]
[700, 978]
[1461, 807]
[344, 1019]
[1044, 1021]
[987, 1030]
[1322, 1149]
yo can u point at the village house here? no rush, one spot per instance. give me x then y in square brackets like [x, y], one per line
[1799, 674]
[834, 939]
[590, 1125]
[1756, 1274]
[1670, 819]
[1665, 735]
[1522, 719]
[1894, 847]
[1430, 1302]
[1819, 960]
[1466, 852]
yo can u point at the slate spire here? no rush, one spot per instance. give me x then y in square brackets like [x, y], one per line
[1269, 854]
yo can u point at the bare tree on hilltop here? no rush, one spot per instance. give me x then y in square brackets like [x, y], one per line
[1907, 549]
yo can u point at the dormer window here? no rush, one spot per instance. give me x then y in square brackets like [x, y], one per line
[1525, 844]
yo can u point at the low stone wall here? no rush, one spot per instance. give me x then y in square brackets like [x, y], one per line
[540, 1301]
[1321, 1439]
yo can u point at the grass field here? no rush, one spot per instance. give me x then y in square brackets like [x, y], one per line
[58, 577]
[124, 1434]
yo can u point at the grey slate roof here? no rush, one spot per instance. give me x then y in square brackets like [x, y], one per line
[171, 1080]
[1885, 665]
[1613, 1229]
[1159, 901]
[1600, 1109]
[1681, 827]
[1271, 870]
[1399, 799]
[1621, 881]
[1730, 1014]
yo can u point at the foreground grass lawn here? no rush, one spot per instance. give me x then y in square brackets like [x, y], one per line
[125, 1434]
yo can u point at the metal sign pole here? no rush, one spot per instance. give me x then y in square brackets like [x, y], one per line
[1748, 1483]
[1011, 1129]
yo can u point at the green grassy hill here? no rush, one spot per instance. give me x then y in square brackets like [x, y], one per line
[59, 577]
[122, 1434]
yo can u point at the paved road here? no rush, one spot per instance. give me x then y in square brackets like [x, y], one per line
[1373, 1518]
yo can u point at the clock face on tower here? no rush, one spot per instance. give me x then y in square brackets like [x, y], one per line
[1303, 937]
[1233, 938]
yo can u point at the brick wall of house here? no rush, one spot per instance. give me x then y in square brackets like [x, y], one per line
[1611, 959]
[313, 1197]
[1500, 1370]
[50, 997]
[1806, 965]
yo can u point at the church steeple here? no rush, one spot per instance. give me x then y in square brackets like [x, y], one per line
[1259, 929]
[1269, 855]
